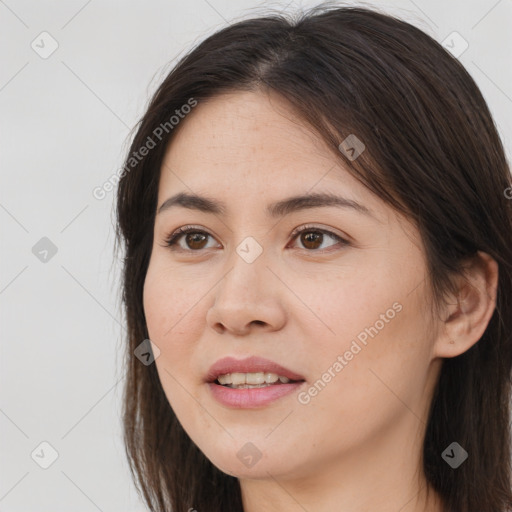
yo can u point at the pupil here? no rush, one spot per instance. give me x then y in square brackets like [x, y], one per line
[311, 237]
[194, 238]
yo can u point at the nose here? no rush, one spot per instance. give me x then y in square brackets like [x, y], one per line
[247, 298]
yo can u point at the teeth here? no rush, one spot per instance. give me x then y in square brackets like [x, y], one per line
[239, 379]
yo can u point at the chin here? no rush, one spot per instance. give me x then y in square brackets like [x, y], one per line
[246, 461]
[261, 470]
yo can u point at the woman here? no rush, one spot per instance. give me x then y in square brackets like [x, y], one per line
[318, 243]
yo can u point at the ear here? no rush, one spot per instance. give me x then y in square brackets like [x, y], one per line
[468, 313]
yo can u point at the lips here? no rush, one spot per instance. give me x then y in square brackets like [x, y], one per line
[249, 365]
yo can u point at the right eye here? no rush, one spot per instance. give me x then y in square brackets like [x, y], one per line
[194, 239]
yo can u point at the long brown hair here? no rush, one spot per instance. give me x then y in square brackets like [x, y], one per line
[432, 152]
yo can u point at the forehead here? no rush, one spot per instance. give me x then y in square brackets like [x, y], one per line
[252, 139]
[256, 125]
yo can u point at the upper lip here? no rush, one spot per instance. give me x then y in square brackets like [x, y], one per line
[252, 364]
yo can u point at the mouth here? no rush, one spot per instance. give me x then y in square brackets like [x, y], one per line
[251, 371]
[251, 382]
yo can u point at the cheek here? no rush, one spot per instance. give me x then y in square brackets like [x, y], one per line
[171, 307]
[345, 297]
[376, 340]
[379, 382]
[175, 320]
[172, 323]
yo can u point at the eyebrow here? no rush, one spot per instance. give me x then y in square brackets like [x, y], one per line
[277, 209]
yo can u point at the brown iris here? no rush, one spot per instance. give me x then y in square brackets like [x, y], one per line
[311, 237]
[195, 238]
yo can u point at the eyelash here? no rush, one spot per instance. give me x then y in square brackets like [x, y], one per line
[172, 240]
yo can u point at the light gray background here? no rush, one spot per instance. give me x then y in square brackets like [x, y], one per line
[64, 126]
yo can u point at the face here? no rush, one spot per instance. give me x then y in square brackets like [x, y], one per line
[334, 293]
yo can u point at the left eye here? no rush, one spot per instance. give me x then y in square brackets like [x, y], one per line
[310, 237]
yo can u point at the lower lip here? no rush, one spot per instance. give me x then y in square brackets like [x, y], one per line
[247, 398]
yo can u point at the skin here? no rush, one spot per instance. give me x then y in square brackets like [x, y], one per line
[358, 441]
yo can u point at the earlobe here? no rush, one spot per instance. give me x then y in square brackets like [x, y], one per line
[468, 314]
